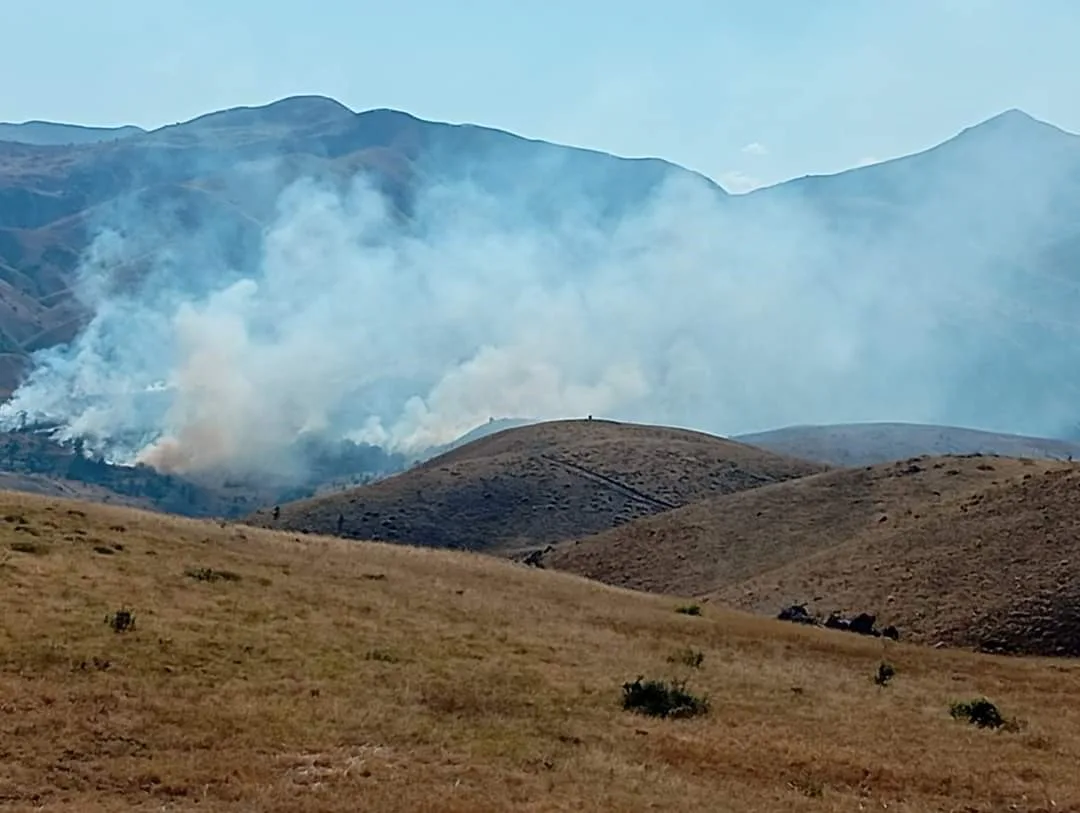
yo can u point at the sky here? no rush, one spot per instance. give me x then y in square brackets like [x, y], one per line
[750, 93]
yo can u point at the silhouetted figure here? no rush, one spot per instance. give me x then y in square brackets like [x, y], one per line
[340, 522]
[277, 513]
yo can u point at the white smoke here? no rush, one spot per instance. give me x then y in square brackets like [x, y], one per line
[352, 324]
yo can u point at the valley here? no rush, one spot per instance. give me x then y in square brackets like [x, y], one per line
[351, 455]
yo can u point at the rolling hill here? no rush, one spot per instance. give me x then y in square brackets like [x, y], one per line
[973, 551]
[151, 662]
[529, 486]
[865, 444]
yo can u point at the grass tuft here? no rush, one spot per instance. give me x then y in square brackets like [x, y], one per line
[693, 658]
[208, 574]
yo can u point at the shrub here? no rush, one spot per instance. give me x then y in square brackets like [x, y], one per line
[808, 787]
[121, 621]
[885, 673]
[206, 574]
[35, 548]
[659, 699]
[689, 609]
[688, 657]
[382, 656]
[980, 712]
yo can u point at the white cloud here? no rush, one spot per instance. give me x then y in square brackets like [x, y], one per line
[737, 181]
[755, 148]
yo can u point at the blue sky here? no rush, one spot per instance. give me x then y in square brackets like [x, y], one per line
[747, 92]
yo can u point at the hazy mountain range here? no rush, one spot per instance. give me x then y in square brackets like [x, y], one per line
[520, 278]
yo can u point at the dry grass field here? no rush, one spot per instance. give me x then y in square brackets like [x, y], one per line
[973, 551]
[533, 485]
[274, 673]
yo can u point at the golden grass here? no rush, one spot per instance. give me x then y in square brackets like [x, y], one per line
[341, 676]
[936, 546]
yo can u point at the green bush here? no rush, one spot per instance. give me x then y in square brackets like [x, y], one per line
[885, 673]
[689, 609]
[980, 712]
[657, 698]
[121, 621]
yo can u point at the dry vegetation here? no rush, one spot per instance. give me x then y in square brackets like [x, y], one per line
[278, 674]
[538, 484]
[974, 551]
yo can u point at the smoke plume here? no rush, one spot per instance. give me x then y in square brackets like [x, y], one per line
[347, 320]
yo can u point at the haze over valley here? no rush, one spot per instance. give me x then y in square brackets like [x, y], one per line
[218, 296]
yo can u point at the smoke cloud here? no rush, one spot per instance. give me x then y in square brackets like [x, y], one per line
[346, 320]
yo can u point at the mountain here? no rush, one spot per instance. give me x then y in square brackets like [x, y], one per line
[951, 273]
[866, 444]
[526, 487]
[47, 133]
[967, 551]
[223, 173]
[155, 663]
[977, 242]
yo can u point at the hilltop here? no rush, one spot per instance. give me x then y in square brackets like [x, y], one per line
[973, 551]
[532, 485]
[865, 444]
[281, 673]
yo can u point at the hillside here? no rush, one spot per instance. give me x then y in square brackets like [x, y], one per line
[32, 460]
[971, 551]
[281, 674]
[529, 486]
[865, 444]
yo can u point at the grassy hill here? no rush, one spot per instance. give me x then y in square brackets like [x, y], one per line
[277, 673]
[536, 484]
[971, 551]
[864, 444]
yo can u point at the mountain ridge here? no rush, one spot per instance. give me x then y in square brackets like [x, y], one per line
[223, 172]
[1010, 117]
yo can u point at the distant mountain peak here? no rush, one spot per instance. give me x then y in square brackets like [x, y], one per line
[1013, 123]
[290, 110]
[1013, 114]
